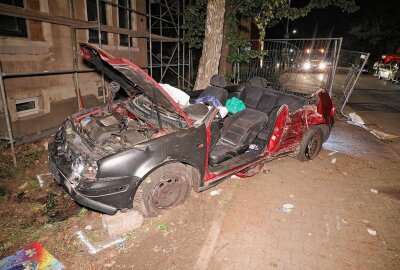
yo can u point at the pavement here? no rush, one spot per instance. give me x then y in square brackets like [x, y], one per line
[328, 226]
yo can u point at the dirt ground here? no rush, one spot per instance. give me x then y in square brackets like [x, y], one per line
[336, 212]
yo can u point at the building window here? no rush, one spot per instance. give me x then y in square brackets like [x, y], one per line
[91, 9]
[124, 19]
[27, 106]
[12, 26]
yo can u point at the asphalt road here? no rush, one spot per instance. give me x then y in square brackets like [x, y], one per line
[377, 102]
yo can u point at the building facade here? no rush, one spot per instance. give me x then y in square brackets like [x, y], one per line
[40, 103]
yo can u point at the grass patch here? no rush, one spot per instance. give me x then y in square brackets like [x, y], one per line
[164, 228]
[82, 212]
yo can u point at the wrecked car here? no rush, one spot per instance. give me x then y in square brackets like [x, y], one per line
[147, 151]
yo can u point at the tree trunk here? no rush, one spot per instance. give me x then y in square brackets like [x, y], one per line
[224, 66]
[212, 44]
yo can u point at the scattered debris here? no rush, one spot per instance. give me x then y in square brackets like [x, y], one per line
[371, 231]
[88, 227]
[366, 221]
[292, 196]
[215, 192]
[46, 145]
[332, 153]
[20, 196]
[356, 120]
[286, 208]
[333, 160]
[92, 249]
[33, 256]
[266, 170]
[110, 265]
[24, 185]
[327, 228]
[382, 135]
[235, 177]
[40, 178]
[337, 223]
[374, 190]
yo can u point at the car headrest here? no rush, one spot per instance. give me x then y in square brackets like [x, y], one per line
[218, 80]
[259, 82]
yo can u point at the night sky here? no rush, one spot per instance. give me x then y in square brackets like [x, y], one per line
[377, 20]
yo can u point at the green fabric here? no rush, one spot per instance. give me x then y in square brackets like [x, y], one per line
[235, 105]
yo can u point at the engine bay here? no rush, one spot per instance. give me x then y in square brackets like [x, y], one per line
[110, 129]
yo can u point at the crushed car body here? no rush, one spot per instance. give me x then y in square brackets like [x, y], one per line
[148, 152]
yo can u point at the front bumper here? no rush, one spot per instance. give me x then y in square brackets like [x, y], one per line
[76, 196]
[106, 196]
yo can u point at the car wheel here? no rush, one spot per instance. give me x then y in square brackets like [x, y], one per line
[165, 188]
[379, 77]
[311, 144]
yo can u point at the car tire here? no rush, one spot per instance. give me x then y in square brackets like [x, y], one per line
[164, 188]
[379, 77]
[311, 144]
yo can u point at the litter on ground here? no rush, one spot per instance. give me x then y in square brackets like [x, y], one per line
[215, 192]
[355, 119]
[31, 257]
[286, 208]
[40, 178]
[374, 190]
[371, 231]
[333, 160]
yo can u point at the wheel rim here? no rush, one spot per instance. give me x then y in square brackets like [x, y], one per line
[313, 146]
[169, 193]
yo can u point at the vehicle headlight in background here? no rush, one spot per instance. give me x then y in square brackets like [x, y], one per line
[306, 65]
[322, 65]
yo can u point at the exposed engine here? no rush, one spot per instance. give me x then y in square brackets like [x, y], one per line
[104, 131]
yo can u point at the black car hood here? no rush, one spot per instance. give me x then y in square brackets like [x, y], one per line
[131, 78]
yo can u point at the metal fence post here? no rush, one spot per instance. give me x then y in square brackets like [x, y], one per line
[7, 116]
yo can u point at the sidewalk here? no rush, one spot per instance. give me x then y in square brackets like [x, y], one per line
[327, 229]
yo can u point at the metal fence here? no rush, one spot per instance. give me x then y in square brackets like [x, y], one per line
[350, 66]
[295, 65]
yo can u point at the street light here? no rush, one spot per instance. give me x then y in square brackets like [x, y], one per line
[294, 31]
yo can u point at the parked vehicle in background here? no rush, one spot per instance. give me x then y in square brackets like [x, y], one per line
[387, 59]
[387, 71]
[396, 77]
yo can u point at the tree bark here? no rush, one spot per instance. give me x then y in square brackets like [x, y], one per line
[224, 66]
[212, 44]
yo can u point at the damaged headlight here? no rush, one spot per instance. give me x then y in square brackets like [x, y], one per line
[78, 166]
[84, 169]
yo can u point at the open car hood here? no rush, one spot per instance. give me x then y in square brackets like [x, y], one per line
[131, 78]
